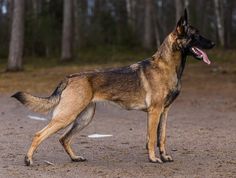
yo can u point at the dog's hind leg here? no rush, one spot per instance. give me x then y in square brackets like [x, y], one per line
[81, 122]
[74, 99]
[55, 125]
[161, 137]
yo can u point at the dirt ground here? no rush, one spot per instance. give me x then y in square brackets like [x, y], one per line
[201, 135]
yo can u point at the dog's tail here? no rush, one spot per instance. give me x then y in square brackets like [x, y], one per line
[41, 104]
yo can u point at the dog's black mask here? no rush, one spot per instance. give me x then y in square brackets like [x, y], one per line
[190, 41]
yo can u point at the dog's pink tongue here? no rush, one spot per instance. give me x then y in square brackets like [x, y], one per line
[204, 56]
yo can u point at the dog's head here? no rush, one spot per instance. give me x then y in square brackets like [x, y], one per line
[190, 42]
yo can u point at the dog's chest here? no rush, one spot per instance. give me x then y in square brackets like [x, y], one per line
[172, 94]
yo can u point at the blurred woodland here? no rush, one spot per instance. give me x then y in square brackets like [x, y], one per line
[64, 28]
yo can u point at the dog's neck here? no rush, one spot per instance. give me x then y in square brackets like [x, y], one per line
[168, 56]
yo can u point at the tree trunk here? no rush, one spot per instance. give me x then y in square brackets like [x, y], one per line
[228, 23]
[186, 4]
[67, 33]
[17, 37]
[129, 11]
[178, 9]
[130, 8]
[76, 24]
[37, 7]
[155, 22]
[10, 5]
[147, 41]
[219, 21]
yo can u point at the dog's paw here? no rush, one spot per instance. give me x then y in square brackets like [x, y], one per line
[166, 158]
[155, 160]
[28, 162]
[78, 159]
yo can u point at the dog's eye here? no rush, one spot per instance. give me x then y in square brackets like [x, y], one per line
[194, 36]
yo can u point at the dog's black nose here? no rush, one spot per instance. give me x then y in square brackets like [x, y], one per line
[213, 44]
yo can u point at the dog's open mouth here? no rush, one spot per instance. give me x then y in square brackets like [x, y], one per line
[201, 55]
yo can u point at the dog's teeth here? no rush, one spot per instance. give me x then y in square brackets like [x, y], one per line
[194, 50]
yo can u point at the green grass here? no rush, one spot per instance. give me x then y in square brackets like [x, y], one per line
[110, 56]
[100, 56]
[47, 72]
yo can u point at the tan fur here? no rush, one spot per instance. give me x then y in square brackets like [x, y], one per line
[41, 104]
[150, 85]
[142, 87]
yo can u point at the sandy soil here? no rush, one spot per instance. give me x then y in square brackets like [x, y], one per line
[201, 135]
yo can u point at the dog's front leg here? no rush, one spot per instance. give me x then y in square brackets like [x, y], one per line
[161, 134]
[153, 121]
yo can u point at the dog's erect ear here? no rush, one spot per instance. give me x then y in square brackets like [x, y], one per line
[186, 16]
[182, 23]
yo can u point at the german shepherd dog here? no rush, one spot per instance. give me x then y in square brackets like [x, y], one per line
[150, 85]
